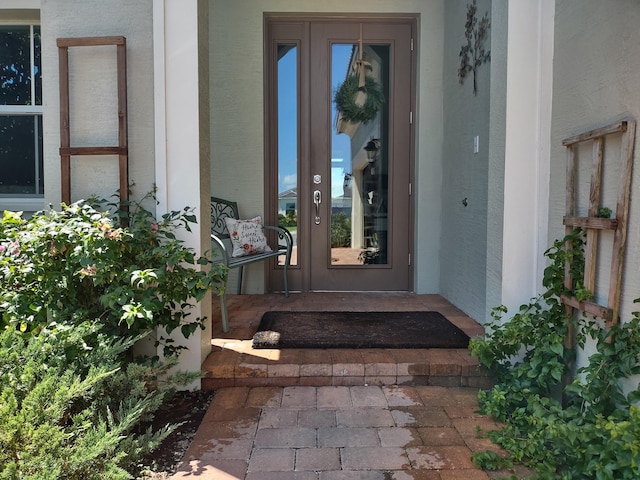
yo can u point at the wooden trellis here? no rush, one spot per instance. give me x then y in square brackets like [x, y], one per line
[66, 149]
[593, 224]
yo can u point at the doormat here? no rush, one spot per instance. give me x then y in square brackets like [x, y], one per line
[358, 330]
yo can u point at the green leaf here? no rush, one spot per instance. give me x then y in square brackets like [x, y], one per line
[557, 348]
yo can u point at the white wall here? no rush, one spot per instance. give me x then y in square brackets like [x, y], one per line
[20, 4]
[595, 82]
[181, 129]
[166, 73]
[463, 252]
[497, 119]
[94, 96]
[492, 249]
[529, 60]
[237, 76]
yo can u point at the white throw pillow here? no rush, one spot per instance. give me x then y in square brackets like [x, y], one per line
[246, 236]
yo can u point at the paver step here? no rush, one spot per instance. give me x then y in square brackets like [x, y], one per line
[231, 366]
[234, 363]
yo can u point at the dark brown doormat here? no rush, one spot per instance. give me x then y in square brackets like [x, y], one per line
[358, 330]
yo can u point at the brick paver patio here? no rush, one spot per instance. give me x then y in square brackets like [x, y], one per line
[374, 414]
[340, 433]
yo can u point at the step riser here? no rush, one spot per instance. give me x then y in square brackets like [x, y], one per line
[474, 382]
[350, 375]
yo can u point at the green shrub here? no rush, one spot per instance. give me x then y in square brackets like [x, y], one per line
[340, 230]
[72, 410]
[591, 428]
[288, 220]
[76, 292]
[76, 264]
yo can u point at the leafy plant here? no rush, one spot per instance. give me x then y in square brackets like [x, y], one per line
[604, 212]
[340, 230]
[73, 410]
[75, 264]
[589, 430]
[288, 220]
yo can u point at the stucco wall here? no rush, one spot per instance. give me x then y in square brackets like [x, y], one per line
[94, 96]
[237, 102]
[465, 173]
[497, 116]
[596, 78]
[20, 4]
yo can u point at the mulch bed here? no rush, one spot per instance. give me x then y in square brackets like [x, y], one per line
[188, 408]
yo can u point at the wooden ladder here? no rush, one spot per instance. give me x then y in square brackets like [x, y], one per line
[122, 149]
[593, 223]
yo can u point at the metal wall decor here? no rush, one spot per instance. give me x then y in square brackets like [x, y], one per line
[473, 54]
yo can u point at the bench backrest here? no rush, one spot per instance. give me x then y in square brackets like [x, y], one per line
[221, 209]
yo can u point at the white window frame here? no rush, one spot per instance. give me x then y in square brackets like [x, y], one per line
[26, 202]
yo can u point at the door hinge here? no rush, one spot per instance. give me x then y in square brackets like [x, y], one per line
[409, 189]
[410, 118]
[412, 44]
[409, 259]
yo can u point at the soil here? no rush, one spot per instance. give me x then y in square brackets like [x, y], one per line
[187, 408]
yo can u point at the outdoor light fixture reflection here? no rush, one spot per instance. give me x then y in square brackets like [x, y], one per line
[372, 148]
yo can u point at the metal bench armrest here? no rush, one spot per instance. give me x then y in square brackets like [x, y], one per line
[283, 234]
[222, 248]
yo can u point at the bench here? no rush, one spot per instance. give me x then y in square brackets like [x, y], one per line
[221, 241]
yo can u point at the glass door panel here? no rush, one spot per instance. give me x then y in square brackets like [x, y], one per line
[359, 229]
[359, 161]
[288, 143]
[341, 187]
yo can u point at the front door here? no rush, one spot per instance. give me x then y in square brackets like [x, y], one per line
[339, 149]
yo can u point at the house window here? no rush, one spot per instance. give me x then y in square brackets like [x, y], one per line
[20, 112]
[291, 208]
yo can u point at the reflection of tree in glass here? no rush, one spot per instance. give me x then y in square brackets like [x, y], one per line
[17, 154]
[288, 220]
[15, 66]
[340, 230]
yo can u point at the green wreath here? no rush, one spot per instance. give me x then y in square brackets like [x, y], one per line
[345, 99]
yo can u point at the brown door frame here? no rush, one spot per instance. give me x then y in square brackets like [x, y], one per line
[295, 29]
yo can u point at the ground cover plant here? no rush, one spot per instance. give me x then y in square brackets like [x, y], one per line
[588, 429]
[77, 291]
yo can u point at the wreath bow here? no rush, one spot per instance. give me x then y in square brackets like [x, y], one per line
[361, 67]
[360, 96]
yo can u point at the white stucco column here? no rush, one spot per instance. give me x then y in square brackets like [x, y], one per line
[179, 156]
[528, 122]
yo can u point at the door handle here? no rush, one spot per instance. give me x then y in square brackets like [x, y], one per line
[317, 200]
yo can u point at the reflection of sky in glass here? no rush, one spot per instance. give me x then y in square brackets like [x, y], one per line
[288, 119]
[340, 143]
[337, 177]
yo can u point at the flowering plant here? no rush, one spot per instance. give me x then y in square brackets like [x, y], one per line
[76, 264]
